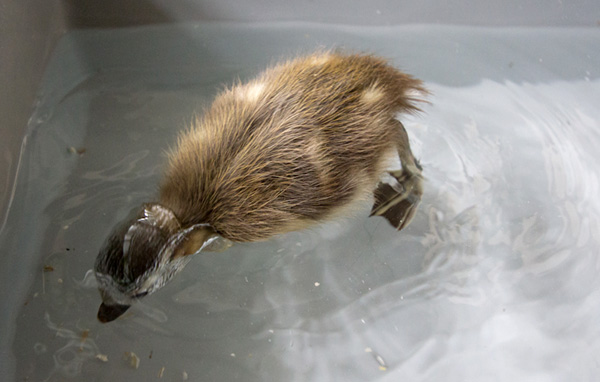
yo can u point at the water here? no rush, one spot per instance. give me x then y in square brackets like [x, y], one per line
[495, 279]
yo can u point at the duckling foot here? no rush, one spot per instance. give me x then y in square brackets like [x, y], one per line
[397, 201]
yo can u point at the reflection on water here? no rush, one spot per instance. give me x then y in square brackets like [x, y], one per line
[495, 279]
[69, 359]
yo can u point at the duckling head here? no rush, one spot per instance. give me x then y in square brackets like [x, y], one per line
[144, 253]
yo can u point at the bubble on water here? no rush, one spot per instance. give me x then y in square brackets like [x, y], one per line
[88, 281]
[40, 348]
[69, 360]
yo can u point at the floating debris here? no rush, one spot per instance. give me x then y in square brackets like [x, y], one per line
[381, 362]
[378, 358]
[48, 268]
[161, 372]
[185, 376]
[102, 357]
[84, 335]
[317, 284]
[150, 356]
[133, 359]
[75, 150]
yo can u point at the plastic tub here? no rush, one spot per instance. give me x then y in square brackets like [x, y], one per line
[495, 279]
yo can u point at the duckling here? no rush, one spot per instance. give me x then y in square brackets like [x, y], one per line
[293, 147]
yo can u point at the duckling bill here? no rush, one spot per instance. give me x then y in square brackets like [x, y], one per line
[297, 145]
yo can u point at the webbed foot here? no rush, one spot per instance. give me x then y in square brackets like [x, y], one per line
[398, 199]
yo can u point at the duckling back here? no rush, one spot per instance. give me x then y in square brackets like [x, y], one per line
[292, 147]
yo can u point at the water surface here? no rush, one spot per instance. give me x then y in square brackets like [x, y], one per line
[495, 279]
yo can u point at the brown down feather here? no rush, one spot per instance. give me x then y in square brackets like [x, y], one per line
[289, 148]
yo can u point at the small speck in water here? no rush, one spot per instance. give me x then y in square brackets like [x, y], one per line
[378, 358]
[79, 151]
[185, 376]
[102, 357]
[381, 362]
[161, 372]
[233, 355]
[317, 284]
[132, 359]
[48, 268]
[84, 335]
